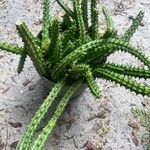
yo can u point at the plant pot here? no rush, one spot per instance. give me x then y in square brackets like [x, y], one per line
[49, 84]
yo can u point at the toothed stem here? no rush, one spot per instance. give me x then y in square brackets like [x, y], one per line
[68, 49]
[66, 8]
[53, 51]
[123, 81]
[46, 24]
[110, 46]
[84, 8]
[11, 48]
[58, 52]
[110, 30]
[31, 47]
[86, 72]
[75, 55]
[39, 143]
[24, 145]
[136, 23]
[80, 20]
[128, 70]
[94, 19]
[21, 62]
[68, 35]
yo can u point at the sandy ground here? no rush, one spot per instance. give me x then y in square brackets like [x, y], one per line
[104, 124]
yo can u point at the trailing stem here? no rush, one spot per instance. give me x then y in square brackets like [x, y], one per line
[65, 8]
[80, 20]
[122, 80]
[128, 70]
[46, 25]
[131, 30]
[11, 48]
[24, 145]
[94, 19]
[31, 47]
[39, 143]
[110, 29]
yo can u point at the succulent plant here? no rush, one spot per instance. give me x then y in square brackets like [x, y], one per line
[72, 52]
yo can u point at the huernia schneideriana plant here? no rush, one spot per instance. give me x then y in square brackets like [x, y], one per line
[72, 52]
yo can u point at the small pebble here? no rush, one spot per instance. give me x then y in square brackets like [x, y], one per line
[32, 87]
[133, 123]
[25, 83]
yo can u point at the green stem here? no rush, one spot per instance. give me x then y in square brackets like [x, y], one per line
[66, 8]
[39, 143]
[110, 31]
[11, 48]
[85, 12]
[128, 70]
[53, 52]
[32, 49]
[122, 80]
[24, 145]
[21, 62]
[94, 19]
[80, 20]
[85, 71]
[75, 55]
[136, 23]
[46, 25]
[111, 45]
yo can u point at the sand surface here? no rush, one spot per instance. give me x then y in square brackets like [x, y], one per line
[103, 124]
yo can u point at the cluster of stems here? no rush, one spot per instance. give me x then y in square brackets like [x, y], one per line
[71, 52]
